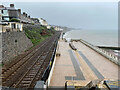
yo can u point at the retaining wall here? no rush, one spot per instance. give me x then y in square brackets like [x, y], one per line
[13, 44]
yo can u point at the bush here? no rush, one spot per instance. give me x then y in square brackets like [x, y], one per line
[14, 20]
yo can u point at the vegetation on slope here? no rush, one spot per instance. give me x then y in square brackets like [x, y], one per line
[14, 20]
[38, 33]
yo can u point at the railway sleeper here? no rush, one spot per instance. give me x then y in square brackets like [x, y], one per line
[32, 73]
[8, 72]
[24, 85]
[27, 79]
[37, 78]
[26, 82]
[14, 66]
[30, 76]
[3, 77]
[33, 70]
[38, 63]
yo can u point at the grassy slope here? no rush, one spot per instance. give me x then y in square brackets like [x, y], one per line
[35, 33]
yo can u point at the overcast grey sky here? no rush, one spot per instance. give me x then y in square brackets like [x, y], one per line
[85, 15]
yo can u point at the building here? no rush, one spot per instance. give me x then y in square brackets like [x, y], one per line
[11, 12]
[36, 20]
[48, 26]
[11, 26]
[11, 19]
[57, 28]
[7, 14]
[24, 18]
[43, 22]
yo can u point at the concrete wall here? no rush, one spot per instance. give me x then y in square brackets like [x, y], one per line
[13, 44]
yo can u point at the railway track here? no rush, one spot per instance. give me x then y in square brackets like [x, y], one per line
[29, 68]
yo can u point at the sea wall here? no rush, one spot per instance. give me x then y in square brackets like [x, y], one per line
[13, 44]
[103, 52]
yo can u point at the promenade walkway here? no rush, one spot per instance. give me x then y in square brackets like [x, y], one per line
[107, 68]
[82, 65]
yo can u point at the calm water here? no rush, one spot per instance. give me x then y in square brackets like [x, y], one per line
[98, 38]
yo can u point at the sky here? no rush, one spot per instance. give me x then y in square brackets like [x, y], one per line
[60, 0]
[94, 15]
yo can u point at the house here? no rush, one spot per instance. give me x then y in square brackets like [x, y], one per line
[24, 18]
[9, 19]
[43, 22]
[36, 20]
[48, 26]
[12, 26]
[11, 12]
[58, 28]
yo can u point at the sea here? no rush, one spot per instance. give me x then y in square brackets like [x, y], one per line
[108, 38]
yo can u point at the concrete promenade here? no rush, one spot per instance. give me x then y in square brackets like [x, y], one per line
[82, 65]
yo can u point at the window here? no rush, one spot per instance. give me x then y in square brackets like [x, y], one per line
[1, 11]
[13, 26]
[18, 26]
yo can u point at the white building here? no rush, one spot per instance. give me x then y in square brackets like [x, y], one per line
[49, 26]
[57, 28]
[11, 26]
[43, 22]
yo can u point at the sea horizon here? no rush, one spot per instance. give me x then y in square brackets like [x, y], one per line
[108, 38]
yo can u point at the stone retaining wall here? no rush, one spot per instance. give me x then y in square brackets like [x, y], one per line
[13, 44]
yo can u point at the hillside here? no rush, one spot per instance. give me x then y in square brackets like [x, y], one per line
[37, 33]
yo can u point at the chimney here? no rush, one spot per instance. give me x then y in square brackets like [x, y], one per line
[28, 16]
[12, 5]
[19, 10]
[24, 13]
